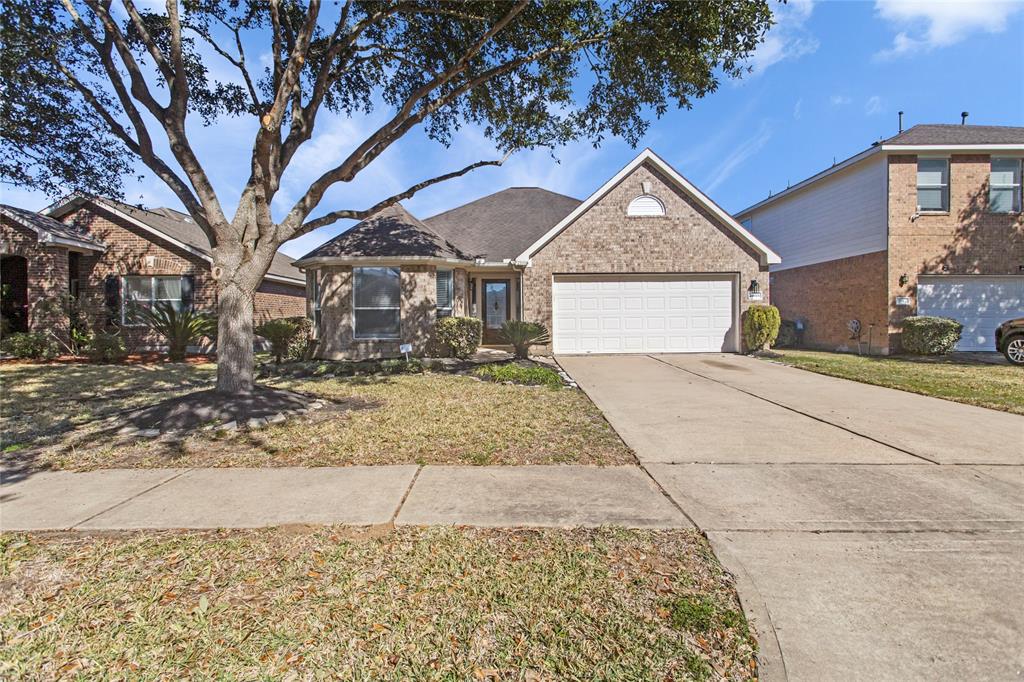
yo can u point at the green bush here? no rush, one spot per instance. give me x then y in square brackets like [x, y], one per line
[106, 347]
[925, 335]
[280, 333]
[461, 335]
[760, 326]
[518, 374]
[521, 335]
[31, 346]
[180, 328]
[401, 366]
[787, 335]
[301, 344]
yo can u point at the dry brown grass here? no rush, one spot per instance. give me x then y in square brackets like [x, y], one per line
[438, 603]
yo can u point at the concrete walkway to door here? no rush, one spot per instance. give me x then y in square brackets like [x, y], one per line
[875, 534]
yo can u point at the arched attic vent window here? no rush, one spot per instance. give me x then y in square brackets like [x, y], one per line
[646, 205]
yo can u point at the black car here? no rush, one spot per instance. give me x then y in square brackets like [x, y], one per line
[1010, 340]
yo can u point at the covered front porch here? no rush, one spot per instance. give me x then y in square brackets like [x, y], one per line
[495, 295]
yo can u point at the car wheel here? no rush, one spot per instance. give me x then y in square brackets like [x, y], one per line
[1014, 350]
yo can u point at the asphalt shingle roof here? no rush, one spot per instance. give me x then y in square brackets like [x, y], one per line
[47, 224]
[181, 227]
[504, 224]
[954, 134]
[392, 232]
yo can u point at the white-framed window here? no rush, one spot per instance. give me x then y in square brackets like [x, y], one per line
[314, 301]
[646, 205]
[376, 298]
[144, 292]
[1004, 185]
[445, 292]
[932, 184]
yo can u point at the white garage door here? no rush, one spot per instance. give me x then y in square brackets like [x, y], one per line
[980, 304]
[644, 314]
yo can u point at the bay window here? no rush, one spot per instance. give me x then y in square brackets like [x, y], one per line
[445, 293]
[376, 303]
[932, 184]
[144, 292]
[1004, 190]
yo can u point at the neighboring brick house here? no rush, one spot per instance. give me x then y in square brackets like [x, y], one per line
[647, 263]
[111, 257]
[927, 222]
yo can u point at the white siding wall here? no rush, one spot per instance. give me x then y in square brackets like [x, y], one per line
[839, 216]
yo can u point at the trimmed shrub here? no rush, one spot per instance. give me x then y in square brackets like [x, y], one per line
[926, 335]
[521, 335]
[280, 332]
[401, 366]
[301, 346]
[31, 346]
[787, 335]
[760, 326]
[106, 347]
[461, 335]
[518, 374]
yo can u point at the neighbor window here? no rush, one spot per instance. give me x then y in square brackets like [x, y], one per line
[376, 306]
[1004, 194]
[445, 295]
[145, 292]
[932, 184]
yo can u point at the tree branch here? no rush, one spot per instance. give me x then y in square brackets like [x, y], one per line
[335, 216]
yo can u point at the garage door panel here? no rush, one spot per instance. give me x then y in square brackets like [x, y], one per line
[979, 303]
[633, 315]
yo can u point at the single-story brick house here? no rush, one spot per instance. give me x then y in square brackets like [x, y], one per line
[647, 263]
[927, 222]
[111, 256]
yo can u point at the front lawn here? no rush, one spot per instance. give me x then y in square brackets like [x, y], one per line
[999, 387]
[334, 603]
[431, 418]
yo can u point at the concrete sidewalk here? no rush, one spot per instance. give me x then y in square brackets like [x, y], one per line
[555, 496]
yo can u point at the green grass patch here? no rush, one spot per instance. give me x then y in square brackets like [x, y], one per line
[337, 603]
[998, 387]
[518, 374]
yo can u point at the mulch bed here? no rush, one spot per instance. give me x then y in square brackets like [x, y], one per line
[149, 358]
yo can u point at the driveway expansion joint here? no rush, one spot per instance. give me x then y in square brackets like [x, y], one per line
[795, 410]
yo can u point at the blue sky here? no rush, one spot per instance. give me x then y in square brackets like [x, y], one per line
[827, 82]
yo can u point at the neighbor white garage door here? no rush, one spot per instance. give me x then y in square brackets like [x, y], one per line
[644, 314]
[980, 304]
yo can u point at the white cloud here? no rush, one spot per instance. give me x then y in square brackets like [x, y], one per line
[924, 26]
[839, 100]
[797, 107]
[873, 105]
[788, 38]
[724, 170]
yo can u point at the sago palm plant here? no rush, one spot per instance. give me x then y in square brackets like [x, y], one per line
[521, 335]
[181, 328]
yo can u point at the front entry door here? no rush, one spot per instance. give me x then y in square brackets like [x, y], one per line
[497, 301]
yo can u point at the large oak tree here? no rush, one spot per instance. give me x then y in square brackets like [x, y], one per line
[92, 88]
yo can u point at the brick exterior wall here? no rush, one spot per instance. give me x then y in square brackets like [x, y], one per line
[418, 301]
[828, 295]
[277, 299]
[967, 240]
[688, 239]
[46, 270]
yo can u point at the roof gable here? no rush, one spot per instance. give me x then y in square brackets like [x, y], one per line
[767, 256]
[172, 226]
[52, 231]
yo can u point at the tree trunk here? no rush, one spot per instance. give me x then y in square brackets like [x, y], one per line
[235, 371]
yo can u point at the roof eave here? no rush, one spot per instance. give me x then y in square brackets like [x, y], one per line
[398, 260]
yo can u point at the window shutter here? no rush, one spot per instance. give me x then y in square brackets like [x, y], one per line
[188, 283]
[112, 299]
[444, 288]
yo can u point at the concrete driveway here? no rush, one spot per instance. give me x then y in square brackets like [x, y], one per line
[875, 534]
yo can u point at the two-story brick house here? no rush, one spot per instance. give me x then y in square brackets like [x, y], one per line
[114, 258]
[927, 222]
